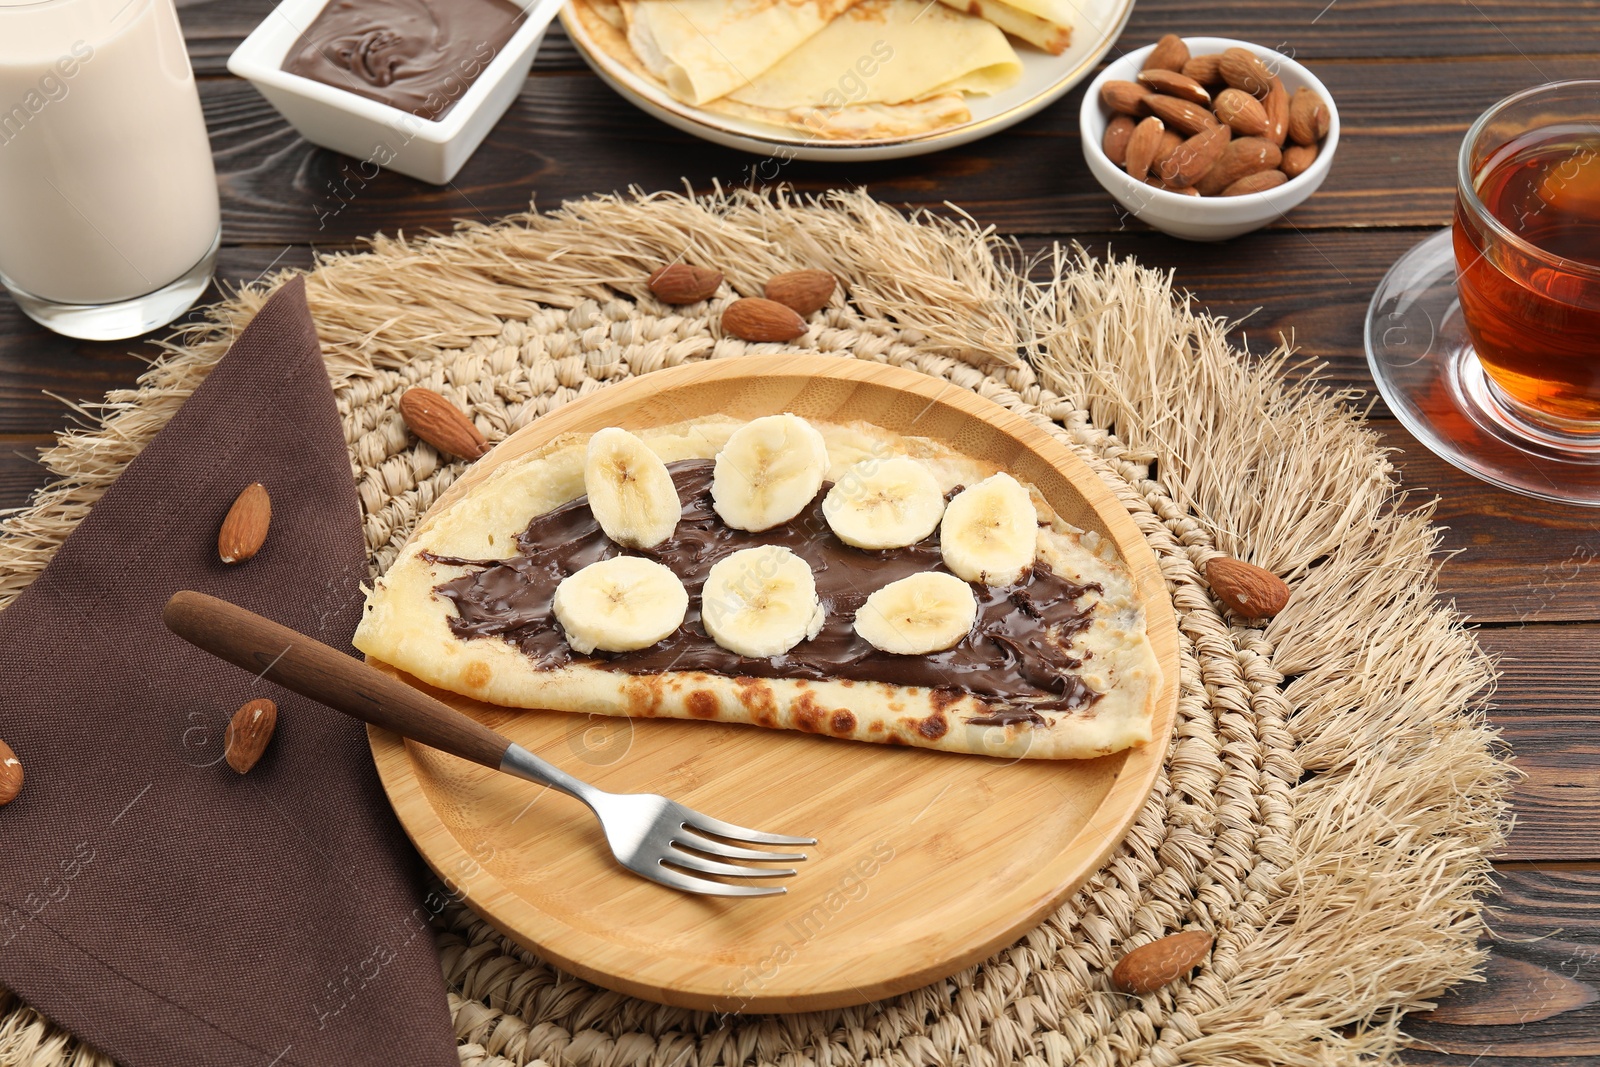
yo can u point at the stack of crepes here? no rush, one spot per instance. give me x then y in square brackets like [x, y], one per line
[837, 69]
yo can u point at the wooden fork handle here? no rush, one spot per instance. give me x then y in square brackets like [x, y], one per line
[324, 674]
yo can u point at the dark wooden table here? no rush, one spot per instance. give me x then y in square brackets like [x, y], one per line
[1409, 76]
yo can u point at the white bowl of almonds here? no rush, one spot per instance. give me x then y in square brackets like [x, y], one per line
[1206, 138]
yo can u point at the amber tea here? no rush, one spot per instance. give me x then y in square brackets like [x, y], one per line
[1527, 248]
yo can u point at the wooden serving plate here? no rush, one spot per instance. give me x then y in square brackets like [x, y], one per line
[926, 862]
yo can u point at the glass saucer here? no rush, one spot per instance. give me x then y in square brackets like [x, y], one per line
[1422, 360]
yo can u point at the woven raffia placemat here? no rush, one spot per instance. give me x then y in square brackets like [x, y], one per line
[1332, 791]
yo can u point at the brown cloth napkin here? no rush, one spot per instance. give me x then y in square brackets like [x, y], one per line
[156, 904]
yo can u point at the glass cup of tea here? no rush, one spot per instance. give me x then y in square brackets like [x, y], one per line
[1485, 339]
[1527, 244]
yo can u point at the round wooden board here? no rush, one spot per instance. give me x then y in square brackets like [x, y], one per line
[926, 862]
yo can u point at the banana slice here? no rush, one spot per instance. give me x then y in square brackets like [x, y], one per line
[884, 503]
[760, 602]
[923, 613]
[619, 604]
[769, 470]
[990, 532]
[630, 491]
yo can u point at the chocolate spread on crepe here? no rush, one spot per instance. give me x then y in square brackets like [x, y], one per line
[416, 55]
[1014, 659]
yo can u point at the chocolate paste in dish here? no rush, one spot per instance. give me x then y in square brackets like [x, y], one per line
[416, 55]
[1015, 659]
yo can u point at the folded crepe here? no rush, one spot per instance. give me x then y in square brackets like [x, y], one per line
[887, 52]
[1041, 23]
[704, 49]
[881, 68]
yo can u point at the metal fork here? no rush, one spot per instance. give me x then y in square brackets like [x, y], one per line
[648, 833]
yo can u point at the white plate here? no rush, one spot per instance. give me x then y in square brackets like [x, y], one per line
[1045, 79]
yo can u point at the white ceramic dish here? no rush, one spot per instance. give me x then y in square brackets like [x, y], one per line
[1210, 218]
[431, 150]
[1045, 79]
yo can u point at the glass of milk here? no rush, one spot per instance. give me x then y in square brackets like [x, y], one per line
[109, 223]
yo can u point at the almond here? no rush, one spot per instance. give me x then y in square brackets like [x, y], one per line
[1242, 69]
[1259, 182]
[1203, 69]
[1169, 144]
[1170, 53]
[244, 528]
[1171, 84]
[757, 319]
[441, 424]
[805, 291]
[1250, 591]
[1243, 112]
[1308, 117]
[10, 774]
[1277, 109]
[1242, 157]
[1185, 116]
[1115, 142]
[679, 283]
[1297, 157]
[1125, 98]
[1195, 156]
[248, 734]
[1142, 147]
[1149, 967]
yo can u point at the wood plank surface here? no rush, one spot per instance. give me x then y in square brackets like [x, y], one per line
[568, 135]
[20, 472]
[1315, 29]
[1548, 705]
[1546, 926]
[1408, 77]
